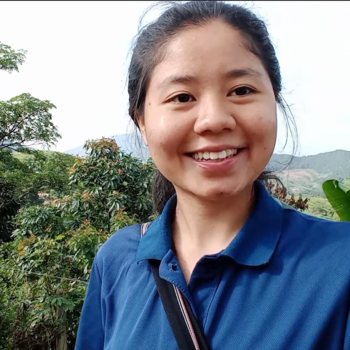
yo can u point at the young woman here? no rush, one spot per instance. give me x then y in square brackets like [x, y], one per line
[204, 86]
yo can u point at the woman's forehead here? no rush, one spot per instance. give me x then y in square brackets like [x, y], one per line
[194, 56]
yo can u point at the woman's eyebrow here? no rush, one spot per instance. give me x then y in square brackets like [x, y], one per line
[187, 79]
[238, 73]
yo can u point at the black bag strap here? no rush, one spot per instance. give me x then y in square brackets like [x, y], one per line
[188, 333]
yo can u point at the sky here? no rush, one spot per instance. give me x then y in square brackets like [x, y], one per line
[78, 54]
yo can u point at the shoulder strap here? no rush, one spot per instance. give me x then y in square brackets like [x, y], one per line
[187, 331]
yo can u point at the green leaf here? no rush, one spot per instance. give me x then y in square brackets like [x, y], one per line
[338, 196]
[60, 237]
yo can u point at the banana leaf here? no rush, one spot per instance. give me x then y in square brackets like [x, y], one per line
[338, 196]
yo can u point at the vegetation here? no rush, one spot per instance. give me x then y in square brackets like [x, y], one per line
[320, 207]
[44, 271]
[280, 192]
[338, 195]
[24, 179]
[24, 119]
[11, 59]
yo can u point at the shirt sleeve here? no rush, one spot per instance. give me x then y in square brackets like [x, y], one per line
[91, 329]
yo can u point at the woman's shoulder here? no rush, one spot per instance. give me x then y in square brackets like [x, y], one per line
[120, 247]
[316, 248]
[316, 232]
[300, 219]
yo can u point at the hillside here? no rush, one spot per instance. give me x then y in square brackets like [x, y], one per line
[303, 174]
[329, 164]
[307, 173]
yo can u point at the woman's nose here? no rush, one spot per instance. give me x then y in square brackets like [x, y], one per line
[213, 116]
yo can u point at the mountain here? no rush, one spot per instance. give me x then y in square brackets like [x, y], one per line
[306, 174]
[129, 143]
[303, 174]
[333, 164]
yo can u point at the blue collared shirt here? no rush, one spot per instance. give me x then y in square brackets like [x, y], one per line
[282, 284]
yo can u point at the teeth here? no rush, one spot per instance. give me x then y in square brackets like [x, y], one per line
[222, 155]
[215, 155]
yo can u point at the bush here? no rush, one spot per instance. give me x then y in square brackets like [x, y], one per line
[44, 272]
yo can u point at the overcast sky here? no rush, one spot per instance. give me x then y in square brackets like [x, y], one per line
[77, 59]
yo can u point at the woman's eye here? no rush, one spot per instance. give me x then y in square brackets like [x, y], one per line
[182, 98]
[242, 91]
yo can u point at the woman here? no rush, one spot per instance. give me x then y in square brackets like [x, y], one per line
[204, 86]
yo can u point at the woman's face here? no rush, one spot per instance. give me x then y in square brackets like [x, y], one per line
[210, 118]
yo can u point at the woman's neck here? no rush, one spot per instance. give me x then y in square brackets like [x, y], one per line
[209, 226]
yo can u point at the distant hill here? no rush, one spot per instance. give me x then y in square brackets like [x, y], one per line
[307, 173]
[333, 164]
[129, 143]
[303, 174]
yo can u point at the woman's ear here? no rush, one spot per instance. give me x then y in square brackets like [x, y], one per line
[142, 126]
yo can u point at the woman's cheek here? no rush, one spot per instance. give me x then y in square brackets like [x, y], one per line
[160, 141]
[166, 137]
[262, 126]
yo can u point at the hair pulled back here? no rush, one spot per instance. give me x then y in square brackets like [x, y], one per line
[148, 48]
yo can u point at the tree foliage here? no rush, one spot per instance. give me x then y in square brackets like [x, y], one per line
[28, 181]
[10, 59]
[45, 270]
[117, 179]
[26, 121]
[9, 206]
[50, 172]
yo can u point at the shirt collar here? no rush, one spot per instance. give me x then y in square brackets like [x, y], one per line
[254, 245]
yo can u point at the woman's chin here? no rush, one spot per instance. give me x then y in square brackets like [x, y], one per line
[216, 192]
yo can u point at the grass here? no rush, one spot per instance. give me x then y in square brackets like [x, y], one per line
[320, 207]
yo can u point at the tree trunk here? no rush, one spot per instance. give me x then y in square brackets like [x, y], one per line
[61, 341]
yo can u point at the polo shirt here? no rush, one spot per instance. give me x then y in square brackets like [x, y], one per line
[282, 283]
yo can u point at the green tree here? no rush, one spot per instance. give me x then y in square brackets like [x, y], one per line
[24, 120]
[44, 272]
[9, 206]
[50, 172]
[14, 192]
[115, 179]
[10, 59]
[27, 179]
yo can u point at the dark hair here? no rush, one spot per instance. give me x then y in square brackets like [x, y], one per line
[147, 50]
